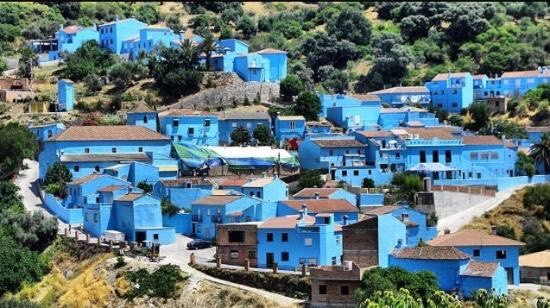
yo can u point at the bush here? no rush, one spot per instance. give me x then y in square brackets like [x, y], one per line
[146, 187]
[310, 178]
[288, 285]
[168, 208]
[93, 83]
[240, 136]
[120, 262]
[538, 195]
[408, 184]
[368, 183]
[506, 231]
[291, 86]
[57, 189]
[161, 283]
[308, 104]
[263, 135]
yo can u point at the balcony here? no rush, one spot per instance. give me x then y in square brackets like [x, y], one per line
[196, 218]
[216, 219]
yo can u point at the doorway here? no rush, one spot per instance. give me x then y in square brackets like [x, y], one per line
[140, 236]
[270, 258]
[510, 274]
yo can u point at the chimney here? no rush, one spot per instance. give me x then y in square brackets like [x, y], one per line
[345, 220]
[446, 231]
[494, 230]
[316, 195]
[427, 184]
[303, 212]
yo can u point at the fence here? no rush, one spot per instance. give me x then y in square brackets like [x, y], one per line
[491, 192]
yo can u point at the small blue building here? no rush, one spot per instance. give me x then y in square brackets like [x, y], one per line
[144, 116]
[190, 127]
[45, 131]
[266, 65]
[344, 212]
[328, 152]
[341, 100]
[487, 248]
[183, 191]
[293, 240]
[451, 91]
[113, 34]
[404, 96]
[269, 189]
[454, 269]
[65, 94]
[326, 193]
[406, 116]
[289, 127]
[250, 120]
[70, 38]
[149, 37]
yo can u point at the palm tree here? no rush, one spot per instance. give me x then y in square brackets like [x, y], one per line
[208, 46]
[541, 152]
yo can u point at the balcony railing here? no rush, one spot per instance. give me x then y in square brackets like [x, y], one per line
[216, 219]
[196, 218]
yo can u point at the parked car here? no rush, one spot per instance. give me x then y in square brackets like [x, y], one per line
[198, 244]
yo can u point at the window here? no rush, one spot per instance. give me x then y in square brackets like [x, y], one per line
[284, 256]
[322, 289]
[234, 254]
[473, 156]
[344, 173]
[284, 237]
[454, 91]
[330, 152]
[440, 105]
[234, 125]
[356, 172]
[175, 123]
[113, 150]
[49, 133]
[206, 122]
[76, 168]
[259, 194]
[501, 254]
[494, 155]
[270, 237]
[397, 155]
[448, 156]
[156, 236]
[96, 199]
[308, 241]
[111, 41]
[140, 149]
[190, 131]
[476, 253]
[344, 290]
[145, 120]
[96, 168]
[479, 175]
[455, 105]
[252, 254]
[235, 236]
[87, 150]
[179, 138]
[422, 156]
[292, 125]
[435, 156]
[95, 217]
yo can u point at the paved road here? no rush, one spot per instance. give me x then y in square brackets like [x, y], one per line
[456, 221]
[178, 254]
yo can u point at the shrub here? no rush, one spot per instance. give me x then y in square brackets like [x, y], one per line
[168, 208]
[160, 283]
[120, 262]
[146, 187]
[368, 183]
[310, 178]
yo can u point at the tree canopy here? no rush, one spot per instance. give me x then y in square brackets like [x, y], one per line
[308, 104]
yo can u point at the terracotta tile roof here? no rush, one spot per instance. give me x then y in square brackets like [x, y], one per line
[141, 108]
[419, 89]
[430, 253]
[86, 179]
[222, 192]
[365, 97]
[216, 200]
[536, 259]
[111, 188]
[291, 118]
[445, 133]
[119, 132]
[510, 143]
[381, 210]
[261, 182]
[286, 222]
[338, 143]
[520, 74]
[322, 205]
[184, 112]
[481, 140]
[104, 157]
[233, 182]
[310, 192]
[71, 29]
[541, 129]
[480, 76]
[244, 115]
[271, 50]
[444, 76]
[473, 238]
[182, 181]
[130, 197]
[480, 269]
[375, 133]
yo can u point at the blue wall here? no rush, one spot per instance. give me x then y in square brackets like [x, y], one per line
[68, 215]
[392, 234]
[488, 254]
[446, 271]
[65, 92]
[191, 129]
[145, 119]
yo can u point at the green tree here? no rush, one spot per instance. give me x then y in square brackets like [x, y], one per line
[27, 62]
[34, 231]
[310, 179]
[350, 25]
[290, 86]
[57, 173]
[240, 136]
[540, 151]
[247, 26]
[168, 208]
[263, 135]
[93, 83]
[88, 59]
[308, 104]
[337, 81]
[16, 144]
[148, 13]
[525, 165]
[456, 120]
[208, 46]
[408, 184]
[10, 200]
[322, 49]
[173, 22]
[368, 183]
[146, 187]
[414, 27]
[480, 113]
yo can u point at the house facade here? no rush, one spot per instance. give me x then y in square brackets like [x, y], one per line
[344, 212]
[190, 127]
[326, 193]
[250, 120]
[70, 38]
[65, 94]
[288, 128]
[451, 91]
[113, 34]
[404, 96]
[144, 116]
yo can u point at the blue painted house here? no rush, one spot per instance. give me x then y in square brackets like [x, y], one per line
[291, 241]
[250, 120]
[344, 212]
[328, 152]
[451, 91]
[113, 34]
[269, 189]
[45, 131]
[363, 116]
[289, 127]
[404, 96]
[183, 191]
[487, 248]
[88, 149]
[190, 127]
[267, 65]
[148, 38]
[416, 223]
[326, 193]
[84, 189]
[210, 211]
[342, 100]
[454, 269]
[65, 94]
[224, 59]
[144, 116]
[70, 38]
[406, 116]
